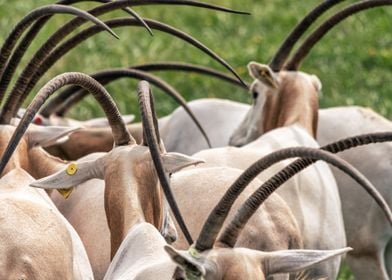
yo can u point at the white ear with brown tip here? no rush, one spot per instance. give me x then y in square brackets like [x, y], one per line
[288, 261]
[74, 174]
[264, 74]
[174, 162]
[316, 82]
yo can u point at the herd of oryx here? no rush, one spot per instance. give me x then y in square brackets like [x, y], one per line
[215, 190]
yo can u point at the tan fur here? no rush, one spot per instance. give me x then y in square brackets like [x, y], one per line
[292, 100]
[298, 103]
[220, 117]
[131, 195]
[18, 159]
[198, 190]
[44, 245]
[311, 195]
[132, 192]
[35, 244]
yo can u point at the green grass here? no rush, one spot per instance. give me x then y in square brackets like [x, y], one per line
[353, 61]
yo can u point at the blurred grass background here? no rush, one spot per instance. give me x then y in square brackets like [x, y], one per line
[353, 61]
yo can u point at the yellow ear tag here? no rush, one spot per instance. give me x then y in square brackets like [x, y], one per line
[193, 252]
[263, 72]
[72, 168]
[65, 192]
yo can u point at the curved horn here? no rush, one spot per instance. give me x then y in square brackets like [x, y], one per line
[323, 29]
[148, 115]
[126, 9]
[139, 18]
[217, 217]
[110, 75]
[231, 232]
[187, 67]
[285, 48]
[20, 90]
[120, 133]
[34, 15]
[16, 57]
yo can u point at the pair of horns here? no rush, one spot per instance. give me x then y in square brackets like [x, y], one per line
[152, 140]
[19, 91]
[215, 220]
[120, 133]
[283, 52]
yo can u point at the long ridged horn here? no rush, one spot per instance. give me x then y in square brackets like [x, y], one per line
[149, 130]
[33, 16]
[110, 75]
[215, 221]
[120, 132]
[16, 57]
[323, 29]
[285, 48]
[15, 103]
[231, 232]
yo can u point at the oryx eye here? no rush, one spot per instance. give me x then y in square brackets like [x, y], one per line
[255, 94]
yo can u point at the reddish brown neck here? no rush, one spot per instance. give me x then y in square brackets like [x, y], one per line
[295, 103]
[42, 164]
[130, 199]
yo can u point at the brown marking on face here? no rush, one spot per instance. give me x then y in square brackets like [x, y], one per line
[270, 113]
[295, 101]
[149, 190]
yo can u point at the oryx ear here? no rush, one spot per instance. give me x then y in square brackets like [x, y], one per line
[189, 264]
[296, 260]
[74, 174]
[316, 82]
[45, 136]
[264, 74]
[174, 162]
[102, 122]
